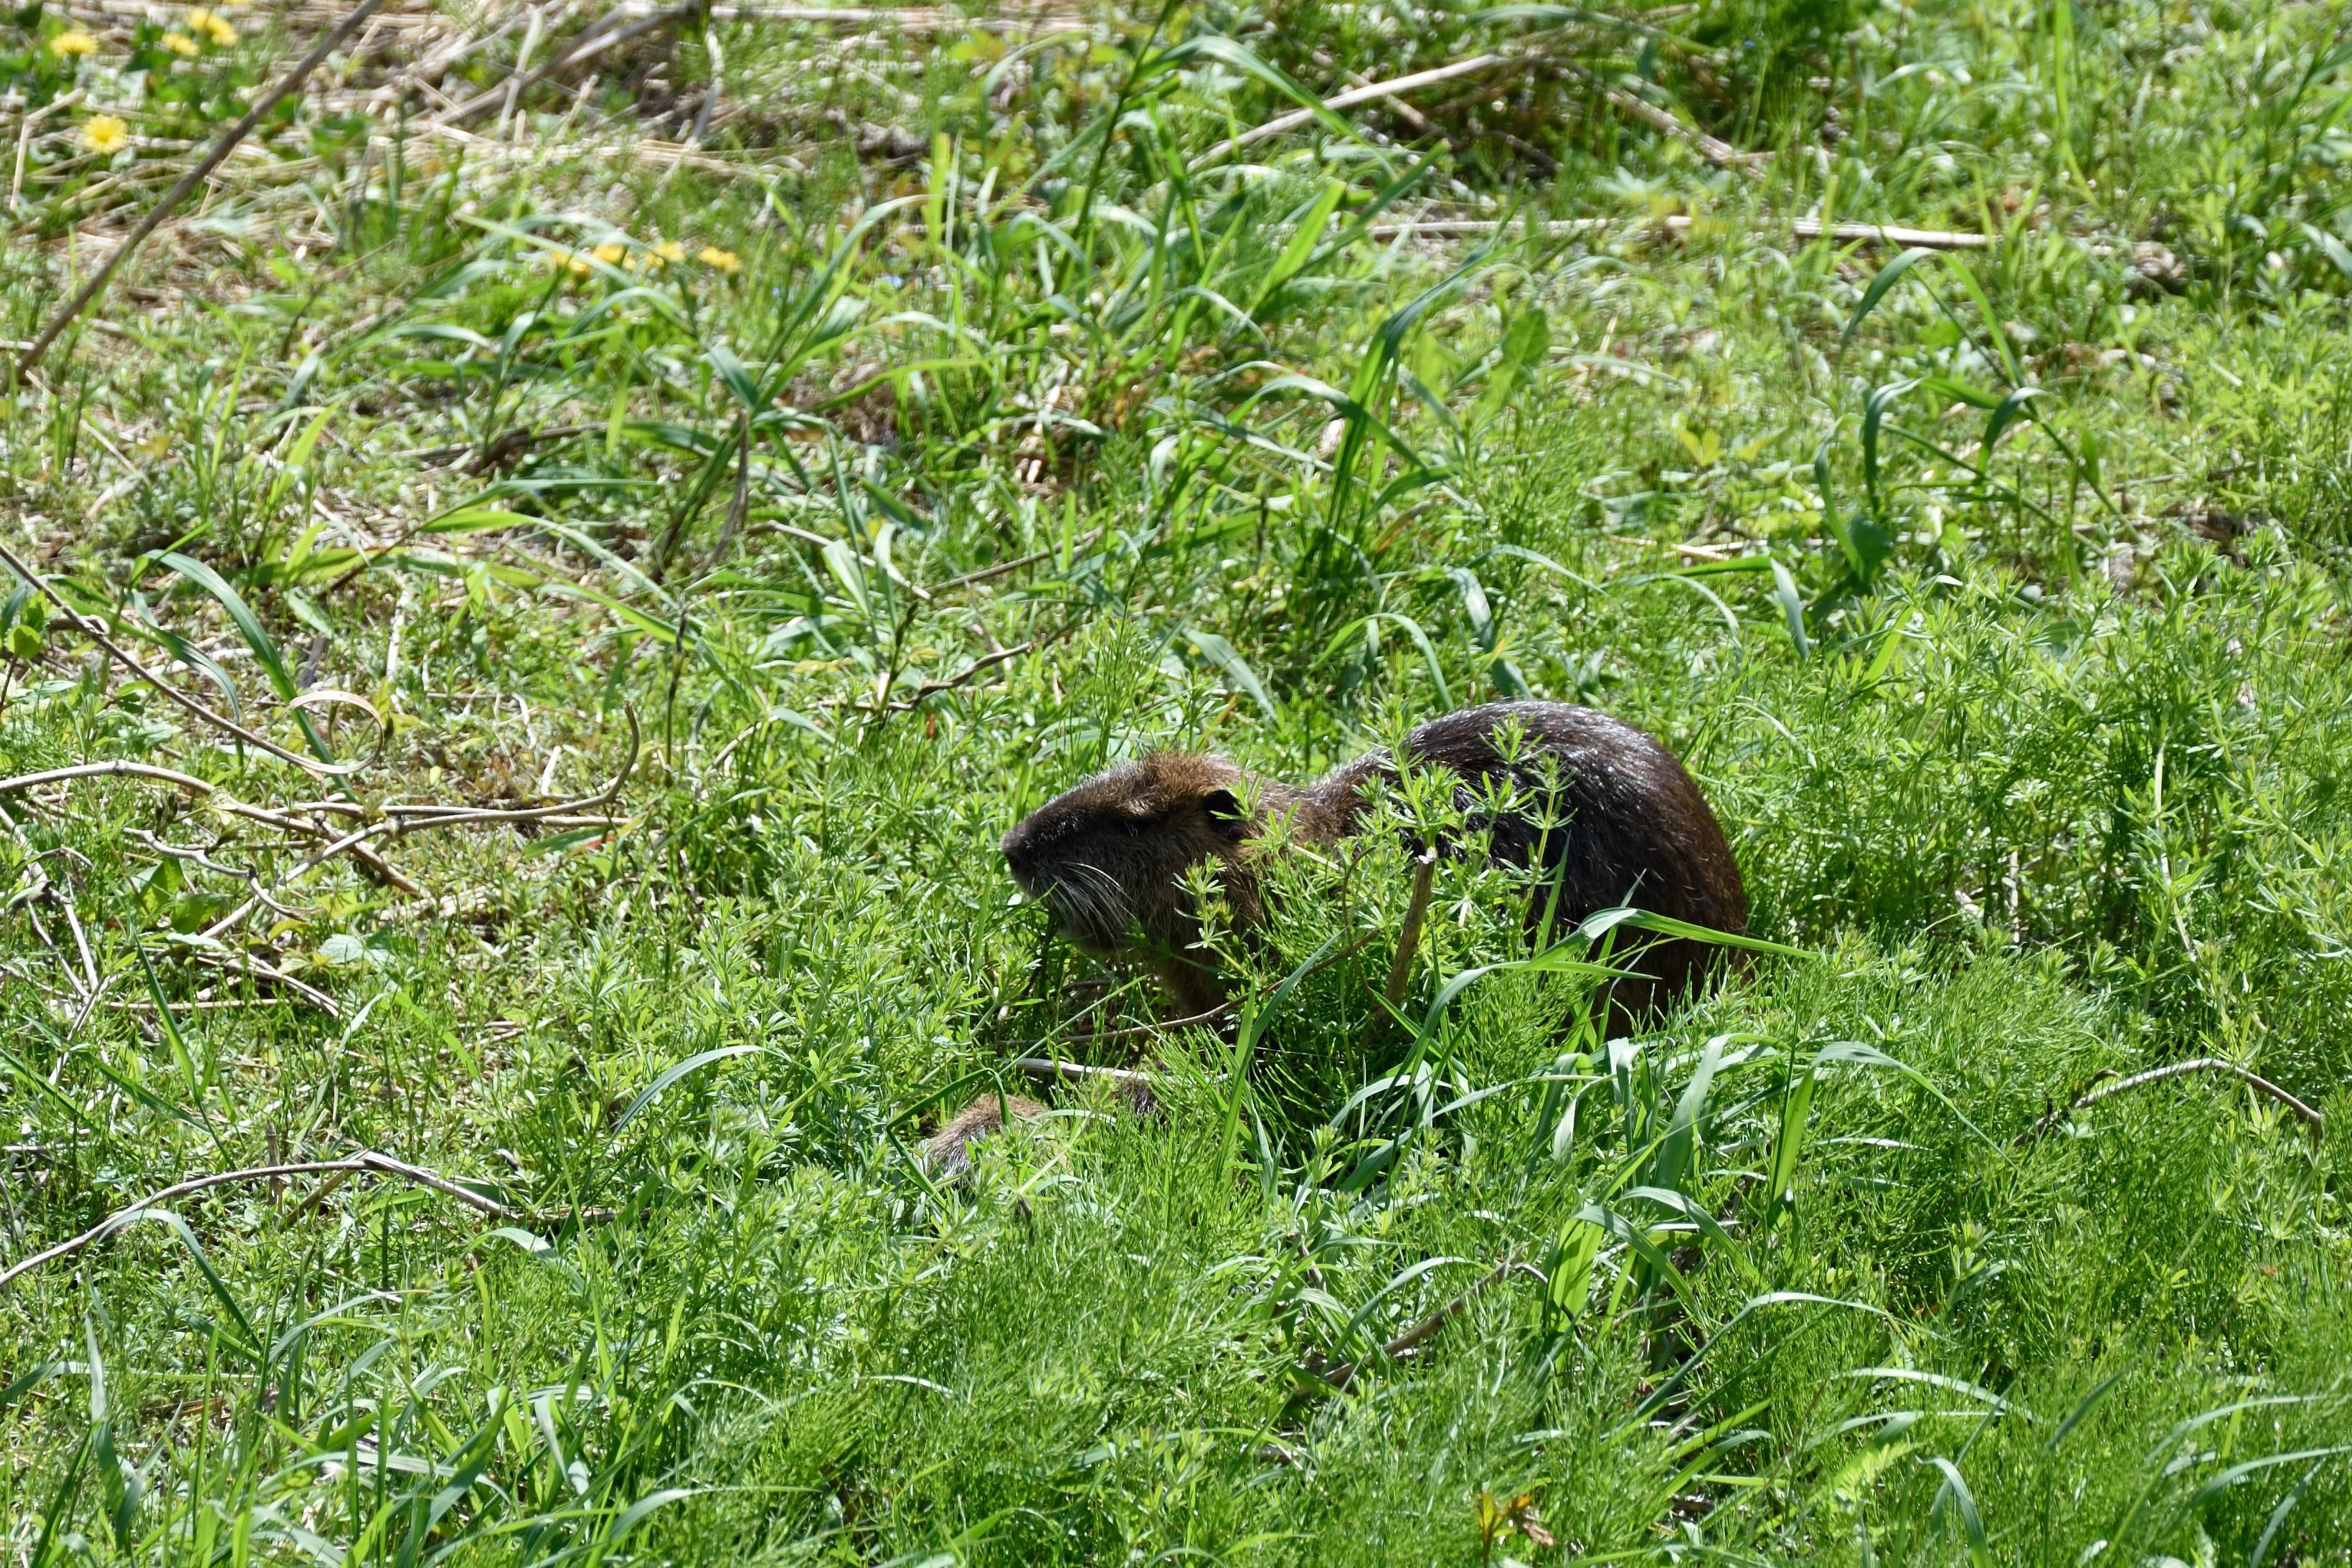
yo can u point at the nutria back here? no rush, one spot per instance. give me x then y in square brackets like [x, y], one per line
[1629, 826]
[1614, 816]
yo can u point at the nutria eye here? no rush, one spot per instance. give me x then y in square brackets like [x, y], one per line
[1221, 804]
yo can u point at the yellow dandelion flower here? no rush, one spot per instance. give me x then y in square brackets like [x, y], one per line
[610, 253]
[726, 261]
[72, 42]
[668, 250]
[213, 26]
[105, 134]
[179, 44]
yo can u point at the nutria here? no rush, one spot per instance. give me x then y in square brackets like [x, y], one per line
[949, 1151]
[1110, 857]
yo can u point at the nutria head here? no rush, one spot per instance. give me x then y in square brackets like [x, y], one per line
[1111, 856]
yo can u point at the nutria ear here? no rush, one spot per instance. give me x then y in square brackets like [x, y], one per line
[1225, 810]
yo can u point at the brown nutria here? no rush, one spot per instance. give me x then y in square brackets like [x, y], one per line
[1110, 858]
[949, 1151]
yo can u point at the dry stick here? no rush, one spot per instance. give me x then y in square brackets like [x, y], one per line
[1365, 94]
[522, 62]
[2317, 1122]
[399, 824]
[904, 19]
[933, 688]
[1132, 1030]
[988, 573]
[1407, 947]
[1714, 150]
[191, 180]
[375, 864]
[88, 1007]
[253, 968]
[1882, 234]
[1803, 229]
[586, 47]
[261, 896]
[414, 818]
[188, 782]
[595, 39]
[366, 1160]
[89, 629]
[2150, 259]
[1340, 1376]
[396, 820]
[1047, 1067]
[25, 141]
[64, 901]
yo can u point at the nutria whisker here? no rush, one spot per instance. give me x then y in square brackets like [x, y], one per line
[1082, 904]
[1108, 880]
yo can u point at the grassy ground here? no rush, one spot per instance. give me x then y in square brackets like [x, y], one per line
[857, 435]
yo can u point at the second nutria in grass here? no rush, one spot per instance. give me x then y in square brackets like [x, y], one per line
[1613, 816]
[949, 1150]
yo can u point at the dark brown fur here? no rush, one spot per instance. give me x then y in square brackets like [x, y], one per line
[1111, 857]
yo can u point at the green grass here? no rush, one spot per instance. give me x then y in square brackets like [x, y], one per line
[1995, 598]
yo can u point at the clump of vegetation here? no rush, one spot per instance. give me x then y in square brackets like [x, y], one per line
[529, 602]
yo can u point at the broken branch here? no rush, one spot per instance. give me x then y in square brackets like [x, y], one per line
[1340, 1376]
[212, 159]
[2255, 1081]
[89, 628]
[366, 1161]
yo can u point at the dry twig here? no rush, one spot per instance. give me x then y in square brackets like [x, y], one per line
[365, 1161]
[90, 629]
[1392, 87]
[2150, 260]
[1338, 1377]
[1714, 150]
[213, 160]
[1047, 1066]
[599, 36]
[2255, 1081]
[202, 789]
[933, 688]
[394, 820]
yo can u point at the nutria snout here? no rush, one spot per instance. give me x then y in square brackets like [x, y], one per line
[1106, 856]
